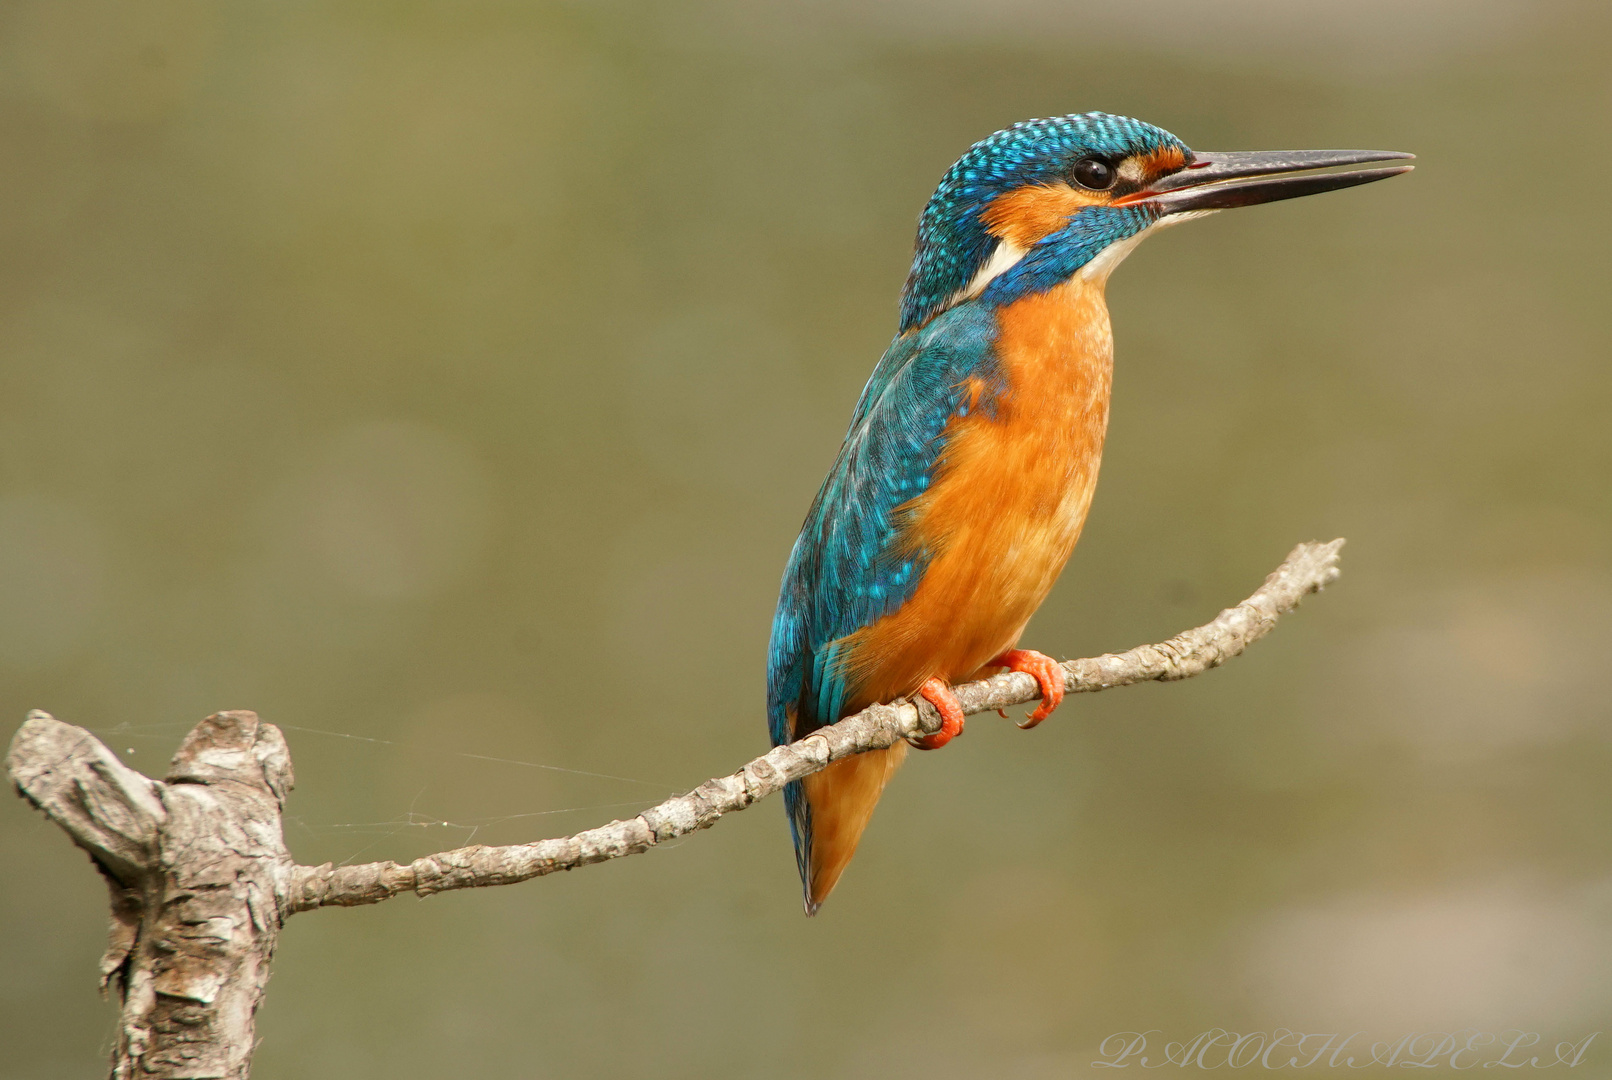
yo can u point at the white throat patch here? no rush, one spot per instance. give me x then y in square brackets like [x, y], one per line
[1007, 255]
[1098, 269]
[1003, 259]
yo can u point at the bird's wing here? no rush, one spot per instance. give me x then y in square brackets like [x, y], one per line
[855, 560]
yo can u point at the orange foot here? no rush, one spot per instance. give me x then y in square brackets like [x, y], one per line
[1048, 675]
[945, 702]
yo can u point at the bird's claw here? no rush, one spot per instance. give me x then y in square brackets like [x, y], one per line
[1048, 674]
[945, 702]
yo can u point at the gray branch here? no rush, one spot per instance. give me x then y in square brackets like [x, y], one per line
[1309, 568]
[201, 880]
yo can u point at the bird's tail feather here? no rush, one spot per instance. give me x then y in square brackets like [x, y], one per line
[836, 805]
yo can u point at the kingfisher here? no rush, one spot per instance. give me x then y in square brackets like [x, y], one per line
[972, 454]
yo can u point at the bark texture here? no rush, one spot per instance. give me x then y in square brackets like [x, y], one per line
[201, 880]
[196, 865]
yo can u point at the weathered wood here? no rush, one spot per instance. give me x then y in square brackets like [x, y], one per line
[196, 865]
[201, 880]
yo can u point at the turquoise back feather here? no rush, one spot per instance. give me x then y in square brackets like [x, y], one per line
[854, 562]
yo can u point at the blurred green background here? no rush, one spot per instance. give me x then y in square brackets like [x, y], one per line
[447, 382]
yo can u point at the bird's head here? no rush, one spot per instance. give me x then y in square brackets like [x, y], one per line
[1036, 203]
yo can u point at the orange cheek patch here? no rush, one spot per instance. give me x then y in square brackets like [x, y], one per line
[1025, 216]
[1166, 160]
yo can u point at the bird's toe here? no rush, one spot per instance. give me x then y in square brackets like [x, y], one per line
[1048, 674]
[945, 702]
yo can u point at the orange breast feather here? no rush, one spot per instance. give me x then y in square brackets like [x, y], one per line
[1008, 500]
[1000, 518]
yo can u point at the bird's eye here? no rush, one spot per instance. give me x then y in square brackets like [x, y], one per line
[1094, 174]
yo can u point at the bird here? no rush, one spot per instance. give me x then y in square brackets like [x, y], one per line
[972, 454]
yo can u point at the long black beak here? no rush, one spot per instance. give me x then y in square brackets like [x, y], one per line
[1249, 177]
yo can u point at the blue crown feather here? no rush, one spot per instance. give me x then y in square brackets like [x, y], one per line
[952, 241]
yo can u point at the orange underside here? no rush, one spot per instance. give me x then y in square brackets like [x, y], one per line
[1000, 521]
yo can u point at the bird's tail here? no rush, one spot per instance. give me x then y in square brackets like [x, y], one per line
[828, 811]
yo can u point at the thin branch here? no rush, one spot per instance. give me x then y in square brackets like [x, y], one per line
[201, 880]
[1309, 568]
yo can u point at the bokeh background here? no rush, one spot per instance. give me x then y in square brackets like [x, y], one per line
[447, 381]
